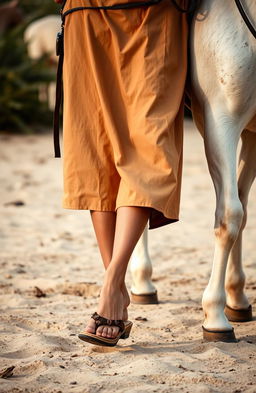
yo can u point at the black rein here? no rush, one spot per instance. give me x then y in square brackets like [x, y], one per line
[245, 18]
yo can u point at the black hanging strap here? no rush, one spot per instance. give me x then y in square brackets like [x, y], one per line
[58, 99]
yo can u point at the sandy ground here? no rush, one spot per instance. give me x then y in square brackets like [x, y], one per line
[54, 249]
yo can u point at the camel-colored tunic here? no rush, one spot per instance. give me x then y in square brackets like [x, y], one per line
[124, 75]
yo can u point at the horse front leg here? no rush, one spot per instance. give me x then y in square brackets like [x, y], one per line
[238, 308]
[143, 290]
[221, 140]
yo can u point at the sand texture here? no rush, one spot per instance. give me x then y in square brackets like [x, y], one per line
[45, 246]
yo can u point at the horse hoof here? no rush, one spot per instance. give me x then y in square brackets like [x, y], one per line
[239, 315]
[145, 298]
[227, 336]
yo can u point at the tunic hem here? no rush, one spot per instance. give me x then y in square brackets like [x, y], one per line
[157, 218]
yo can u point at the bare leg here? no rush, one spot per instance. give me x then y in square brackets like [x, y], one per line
[130, 223]
[104, 224]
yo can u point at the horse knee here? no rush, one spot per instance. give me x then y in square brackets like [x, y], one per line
[228, 223]
[244, 220]
[244, 201]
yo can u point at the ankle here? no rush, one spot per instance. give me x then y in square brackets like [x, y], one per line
[114, 277]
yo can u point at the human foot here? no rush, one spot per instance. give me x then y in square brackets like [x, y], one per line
[112, 305]
[91, 325]
[92, 338]
[126, 302]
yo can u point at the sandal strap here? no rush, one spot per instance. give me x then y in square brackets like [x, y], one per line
[99, 320]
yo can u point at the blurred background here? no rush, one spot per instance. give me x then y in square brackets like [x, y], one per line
[27, 64]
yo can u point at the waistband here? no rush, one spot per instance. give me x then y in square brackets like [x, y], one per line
[99, 3]
[70, 6]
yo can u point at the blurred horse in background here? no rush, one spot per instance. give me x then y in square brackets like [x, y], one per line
[10, 15]
[40, 37]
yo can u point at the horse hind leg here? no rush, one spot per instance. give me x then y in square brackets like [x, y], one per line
[221, 138]
[238, 308]
[143, 290]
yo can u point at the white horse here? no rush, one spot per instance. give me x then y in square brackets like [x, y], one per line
[223, 95]
[40, 37]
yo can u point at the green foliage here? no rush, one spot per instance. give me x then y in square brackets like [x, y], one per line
[38, 8]
[20, 77]
[42, 7]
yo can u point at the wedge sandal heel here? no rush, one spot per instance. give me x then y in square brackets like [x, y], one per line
[127, 331]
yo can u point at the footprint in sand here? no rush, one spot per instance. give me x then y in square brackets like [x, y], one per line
[84, 289]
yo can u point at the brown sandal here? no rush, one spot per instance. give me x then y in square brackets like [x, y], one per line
[92, 338]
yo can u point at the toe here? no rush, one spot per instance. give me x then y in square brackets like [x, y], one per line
[90, 327]
[110, 335]
[99, 331]
[105, 331]
[115, 331]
